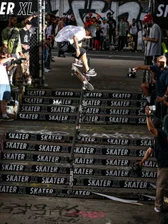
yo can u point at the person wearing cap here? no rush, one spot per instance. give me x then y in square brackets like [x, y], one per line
[69, 39]
[160, 147]
[159, 83]
[153, 41]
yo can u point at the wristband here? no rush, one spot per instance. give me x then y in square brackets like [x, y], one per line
[147, 115]
[165, 96]
[77, 48]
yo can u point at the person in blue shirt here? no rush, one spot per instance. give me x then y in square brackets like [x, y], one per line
[160, 80]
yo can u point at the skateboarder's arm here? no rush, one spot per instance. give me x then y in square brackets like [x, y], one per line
[76, 42]
[76, 45]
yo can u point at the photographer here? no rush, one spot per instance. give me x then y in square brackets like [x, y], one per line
[159, 82]
[160, 148]
[5, 90]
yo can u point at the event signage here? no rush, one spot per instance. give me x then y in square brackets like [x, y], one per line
[88, 139]
[77, 160]
[17, 7]
[77, 171]
[100, 95]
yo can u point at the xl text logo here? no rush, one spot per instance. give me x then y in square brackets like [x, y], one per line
[24, 8]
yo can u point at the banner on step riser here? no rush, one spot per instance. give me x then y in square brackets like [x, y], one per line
[35, 147]
[37, 137]
[87, 102]
[83, 139]
[61, 93]
[45, 191]
[77, 160]
[77, 171]
[88, 119]
[17, 7]
[77, 150]
[77, 181]
[73, 109]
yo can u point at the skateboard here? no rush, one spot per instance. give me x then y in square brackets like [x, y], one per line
[86, 84]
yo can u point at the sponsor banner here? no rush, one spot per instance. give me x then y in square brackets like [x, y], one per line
[43, 117]
[116, 141]
[87, 102]
[17, 7]
[59, 192]
[98, 119]
[34, 179]
[77, 170]
[91, 182]
[73, 109]
[48, 109]
[36, 147]
[46, 191]
[77, 160]
[43, 100]
[83, 139]
[36, 137]
[34, 168]
[62, 93]
[160, 13]
[85, 150]
[35, 157]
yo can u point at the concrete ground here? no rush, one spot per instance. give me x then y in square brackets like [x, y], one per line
[16, 209]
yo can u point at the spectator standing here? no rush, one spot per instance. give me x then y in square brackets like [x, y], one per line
[133, 30]
[123, 28]
[104, 35]
[154, 40]
[25, 35]
[112, 28]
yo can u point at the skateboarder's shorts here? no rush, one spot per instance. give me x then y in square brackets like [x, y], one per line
[67, 47]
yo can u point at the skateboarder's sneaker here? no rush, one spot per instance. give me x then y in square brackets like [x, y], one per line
[78, 63]
[90, 73]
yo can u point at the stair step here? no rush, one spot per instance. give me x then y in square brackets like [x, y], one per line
[112, 94]
[89, 119]
[11, 156]
[103, 139]
[112, 172]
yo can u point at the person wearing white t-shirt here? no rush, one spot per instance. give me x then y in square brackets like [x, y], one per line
[5, 90]
[69, 39]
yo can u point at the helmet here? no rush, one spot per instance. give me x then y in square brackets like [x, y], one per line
[92, 30]
[148, 18]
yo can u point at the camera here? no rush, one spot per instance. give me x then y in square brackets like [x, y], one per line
[131, 73]
[18, 61]
[135, 171]
[152, 108]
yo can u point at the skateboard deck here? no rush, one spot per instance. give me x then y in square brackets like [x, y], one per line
[86, 84]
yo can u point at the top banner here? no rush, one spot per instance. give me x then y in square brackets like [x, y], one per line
[160, 13]
[19, 8]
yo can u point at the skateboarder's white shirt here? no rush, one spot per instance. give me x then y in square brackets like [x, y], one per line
[68, 32]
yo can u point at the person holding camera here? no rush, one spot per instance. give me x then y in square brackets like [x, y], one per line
[159, 84]
[160, 147]
[5, 90]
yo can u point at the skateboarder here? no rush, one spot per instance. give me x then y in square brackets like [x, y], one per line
[69, 39]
